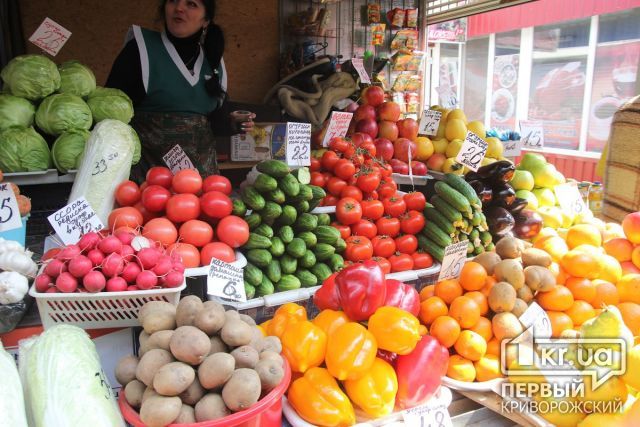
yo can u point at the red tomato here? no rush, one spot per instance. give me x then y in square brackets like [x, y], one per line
[146, 214]
[161, 230]
[421, 260]
[412, 222]
[352, 181]
[183, 207]
[359, 248]
[369, 148]
[216, 204]
[329, 159]
[128, 193]
[125, 217]
[388, 226]
[394, 206]
[217, 183]
[330, 200]
[348, 211]
[350, 151]
[187, 181]
[144, 185]
[372, 196]
[383, 246]
[384, 264]
[364, 228]
[155, 198]
[351, 192]
[415, 201]
[159, 175]
[339, 145]
[368, 182]
[372, 209]
[407, 244]
[315, 165]
[385, 170]
[233, 231]
[344, 169]
[318, 179]
[345, 230]
[189, 254]
[335, 186]
[196, 232]
[401, 262]
[217, 250]
[387, 189]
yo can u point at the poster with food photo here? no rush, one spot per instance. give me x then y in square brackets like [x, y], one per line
[505, 91]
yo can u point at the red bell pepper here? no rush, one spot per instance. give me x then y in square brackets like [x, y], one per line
[420, 372]
[327, 296]
[362, 289]
[402, 296]
[388, 357]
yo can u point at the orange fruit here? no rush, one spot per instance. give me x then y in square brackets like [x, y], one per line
[611, 269]
[480, 299]
[472, 276]
[635, 256]
[470, 345]
[466, 311]
[461, 369]
[583, 234]
[629, 268]
[446, 330]
[448, 290]
[631, 315]
[488, 368]
[427, 291]
[432, 308]
[629, 288]
[493, 347]
[483, 328]
[559, 298]
[581, 264]
[606, 294]
[558, 273]
[559, 322]
[488, 284]
[581, 288]
[619, 248]
[580, 312]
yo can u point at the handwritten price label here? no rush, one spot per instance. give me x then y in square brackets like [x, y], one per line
[536, 316]
[50, 36]
[571, 202]
[455, 255]
[472, 151]
[298, 140]
[225, 281]
[428, 416]
[429, 122]
[74, 220]
[512, 148]
[532, 134]
[9, 212]
[338, 126]
[358, 64]
[176, 159]
[102, 165]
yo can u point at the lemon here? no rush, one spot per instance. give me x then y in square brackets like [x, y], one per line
[601, 420]
[424, 148]
[453, 148]
[632, 376]
[611, 390]
[495, 148]
[455, 129]
[457, 114]
[440, 145]
[477, 127]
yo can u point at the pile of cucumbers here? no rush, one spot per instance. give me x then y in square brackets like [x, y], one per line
[288, 247]
[454, 214]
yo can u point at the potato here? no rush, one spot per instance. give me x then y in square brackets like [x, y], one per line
[126, 369]
[247, 319]
[149, 391]
[217, 345]
[270, 344]
[193, 393]
[150, 363]
[158, 411]
[246, 357]
[210, 318]
[236, 333]
[133, 393]
[143, 337]
[525, 294]
[173, 378]
[270, 355]
[535, 256]
[488, 260]
[270, 373]
[157, 316]
[506, 325]
[216, 370]
[189, 344]
[519, 307]
[187, 415]
[539, 278]
[158, 339]
[242, 390]
[187, 309]
[502, 297]
[211, 407]
[232, 315]
[510, 270]
[509, 247]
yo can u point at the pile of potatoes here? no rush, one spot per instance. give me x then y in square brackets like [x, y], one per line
[197, 362]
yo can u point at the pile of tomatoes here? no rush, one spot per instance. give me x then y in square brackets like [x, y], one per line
[184, 212]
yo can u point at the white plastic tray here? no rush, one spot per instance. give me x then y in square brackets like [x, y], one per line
[49, 176]
[492, 385]
[240, 262]
[411, 275]
[406, 179]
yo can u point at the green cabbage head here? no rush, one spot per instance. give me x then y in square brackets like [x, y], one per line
[23, 150]
[76, 79]
[67, 150]
[110, 103]
[61, 112]
[31, 76]
[137, 149]
[15, 111]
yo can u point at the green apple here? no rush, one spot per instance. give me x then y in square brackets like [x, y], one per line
[522, 180]
[545, 176]
[529, 197]
[532, 161]
[545, 196]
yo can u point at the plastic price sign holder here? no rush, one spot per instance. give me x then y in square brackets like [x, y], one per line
[298, 140]
[570, 200]
[50, 36]
[225, 281]
[532, 135]
[455, 255]
[176, 159]
[432, 414]
[358, 64]
[74, 220]
[9, 211]
[429, 122]
[472, 151]
[512, 148]
[338, 126]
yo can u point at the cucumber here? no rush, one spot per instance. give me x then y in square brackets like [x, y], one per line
[323, 219]
[341, 245]
[288, 216]
[307, 278]
[327, 234]
[239, 208]
[252, 274]
[274, 168]
[305, 222]
[318, 192]
[273, 271]
[309, 238]
[252, 198]
[286, 234]
[249, 290]
[264, 230]
[265, 183]
[452, 196]
[305, 194]
[302, 206]
[432, 214]
[478, 250]
[449, 212]
[277, 246]
[257, 241]
[289, 185]
[265, 288]
[271, 212]
[336, 262]
[434, 233]
[458, 183]
[321, 271]
[490, 247]
[296, 248]
[259, 257]
[308, 260]
[253, 220]
[302, 175]
[323, 251]
[430, 247]
[288, 282]
[288, 264]
[276, 196]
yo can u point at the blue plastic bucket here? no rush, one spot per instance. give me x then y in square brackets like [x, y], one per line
[17, 234]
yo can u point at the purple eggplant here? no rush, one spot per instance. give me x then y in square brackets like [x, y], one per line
[497, 172]
[503, 195]
[500, 221]
[518, 205]
[483, 191]
[528, 224]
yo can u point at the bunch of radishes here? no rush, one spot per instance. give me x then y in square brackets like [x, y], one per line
[114, 263]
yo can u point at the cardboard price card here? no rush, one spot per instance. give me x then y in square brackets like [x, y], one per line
[358, 64]
[571, 202]
[9, 212]
[74, 220]
[532, 135]
[429, 122]
[50, 36]
[225, 281]
[338, 126]
[512, 148]
[472, 151]
[298, 140]
[455, 255]
[429, 415]
[176, 159]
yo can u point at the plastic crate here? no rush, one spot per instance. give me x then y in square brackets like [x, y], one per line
[17, 234]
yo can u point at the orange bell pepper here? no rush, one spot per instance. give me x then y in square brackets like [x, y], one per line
[318, 399]
[375, 392]
[304, 345]
[395, 329]
[328, 320]
[285, 314]
[351, 350]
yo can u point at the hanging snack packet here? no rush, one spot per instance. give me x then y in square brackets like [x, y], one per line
[377, 34]
[373, 13]
[396, 17]
[411, 18]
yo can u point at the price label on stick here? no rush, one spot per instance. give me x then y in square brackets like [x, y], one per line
[176, 159]
[429, 122]
[225, 281]
[428, 416]
[358, 64]
[338, 126]
[50, 36]
[74, 220]
[532, 134]
[535, 316]
[512, 148]
[472, 151]
[298, 140]
[9, 212]
[455, 255]
[571, 202]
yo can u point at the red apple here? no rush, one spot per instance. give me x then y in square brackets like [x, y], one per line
[388, 130]
[352, 128]
[364, 112]
[401, 149]
[368, 126]
[360, 138]
[418, 168]
[389, 111]
[408, 128]
[436, 161]
[384, 148]
[399, 166]
[372, 95]
[352, 107]
[318, 136]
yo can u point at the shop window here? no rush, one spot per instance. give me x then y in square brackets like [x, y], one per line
[504, 94]
[475, 78]
[449, 75]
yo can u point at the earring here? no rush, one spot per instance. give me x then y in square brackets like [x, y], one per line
[203, 36]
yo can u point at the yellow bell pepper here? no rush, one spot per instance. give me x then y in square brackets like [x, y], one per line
[328, 320]
[351, 350]
[285, 314]
[304, 345]
[395, 330]
[375, 392]
[318, 399]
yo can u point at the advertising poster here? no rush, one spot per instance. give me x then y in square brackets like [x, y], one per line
[454, 31]
[505, 91]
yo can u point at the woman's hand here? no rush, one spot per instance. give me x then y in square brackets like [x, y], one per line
[242, 120]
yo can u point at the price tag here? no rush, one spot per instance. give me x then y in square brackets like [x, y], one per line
[50, 36]
[358, 64]
[472, 151]
[298, 140]
[338, 126]
[512, 148]
[225, 281]
[455, 255]
[429, 122]
[176, 159]
[532, 134]
[434, 415]
[536, 316]
[571, 202]
[9, 212]
[74, 220]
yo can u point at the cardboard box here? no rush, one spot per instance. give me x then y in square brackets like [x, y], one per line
[265, 141]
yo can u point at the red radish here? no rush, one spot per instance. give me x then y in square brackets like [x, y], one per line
[69, 252]
[89, 241]
[94, 281]
[163, 266]
[130, 272]
[124, 236]
[43, 282]
[110, 244]
[79, 266]
[178, 266]
[139, 242]
[146, 280]
[148, 257]
[173, 279]
[116, 284]
[51, 290]
[132, 288]
[96, 257]
[55, 267]
[66, 283]
[112, 265]
[127, 252]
